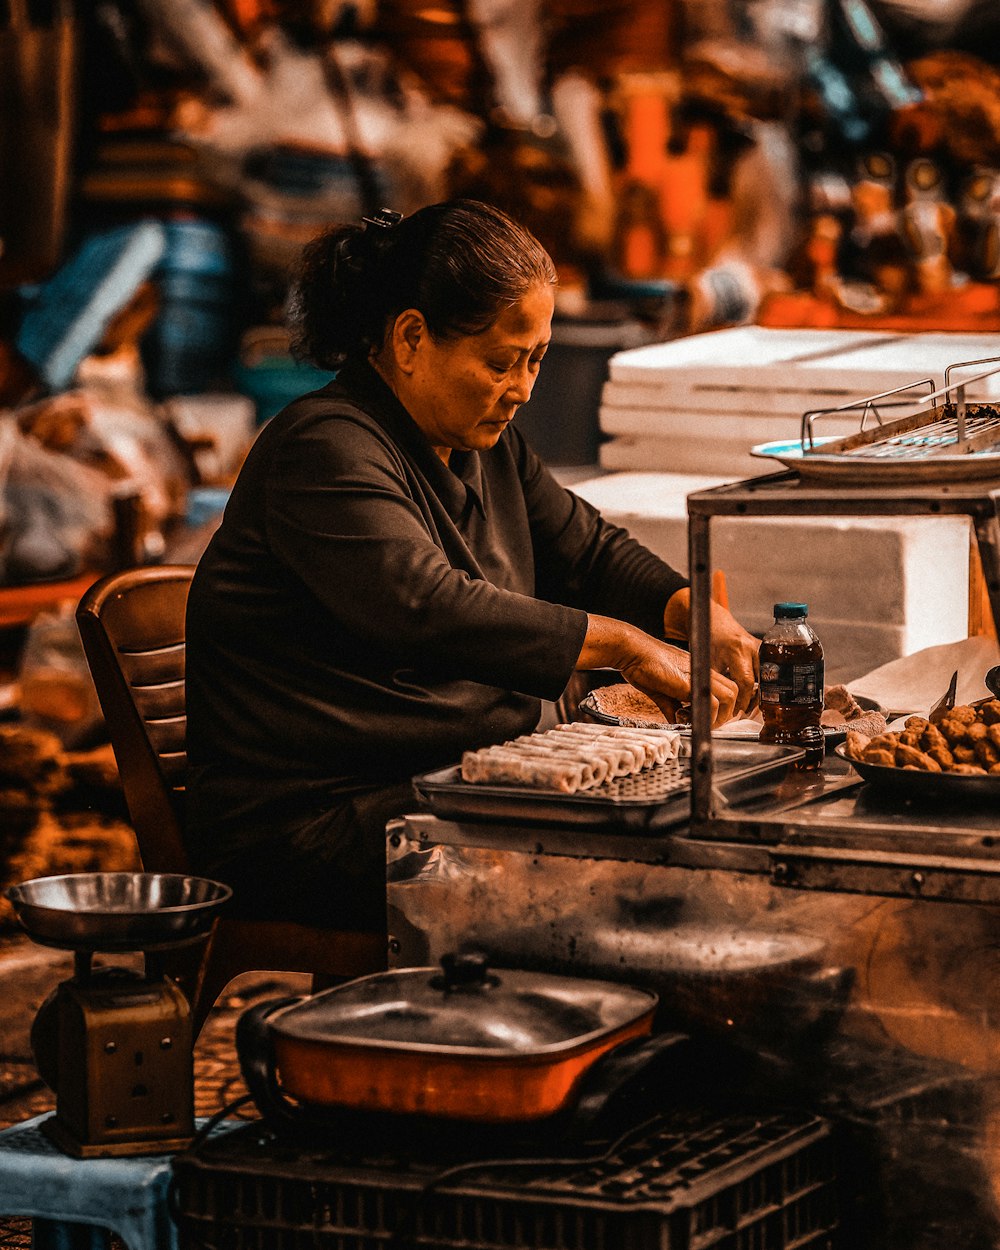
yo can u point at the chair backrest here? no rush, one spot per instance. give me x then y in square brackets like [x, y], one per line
[132, 628]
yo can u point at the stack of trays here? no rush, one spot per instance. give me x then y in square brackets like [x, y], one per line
[699, 404]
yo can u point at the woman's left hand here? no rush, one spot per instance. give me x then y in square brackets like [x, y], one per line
[734, 651]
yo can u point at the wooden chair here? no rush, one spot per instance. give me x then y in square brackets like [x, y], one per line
[132, 626]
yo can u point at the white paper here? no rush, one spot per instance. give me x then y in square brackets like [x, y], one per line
[914, 683]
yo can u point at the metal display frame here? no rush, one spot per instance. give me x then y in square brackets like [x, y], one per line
[832, 845]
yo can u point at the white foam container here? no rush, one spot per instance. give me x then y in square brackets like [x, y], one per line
[877, 587]
[791, 370]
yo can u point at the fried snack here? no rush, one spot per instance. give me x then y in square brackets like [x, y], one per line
[933, 739]
[918, 759]
[884, 742]
[953, 730]
[965, 741]
[943, 756]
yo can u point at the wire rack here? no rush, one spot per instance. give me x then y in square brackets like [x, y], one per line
[940, 422]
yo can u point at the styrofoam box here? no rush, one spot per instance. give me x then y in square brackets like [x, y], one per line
[699, 442]
[745, 428]
[728, 459]
[792, 371]
[877, 587]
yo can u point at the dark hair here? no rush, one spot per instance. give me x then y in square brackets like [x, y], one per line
[460, 263]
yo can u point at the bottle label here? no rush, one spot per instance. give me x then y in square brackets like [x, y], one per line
[792, 685]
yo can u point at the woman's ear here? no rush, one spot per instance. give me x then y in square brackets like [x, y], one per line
[409, 333]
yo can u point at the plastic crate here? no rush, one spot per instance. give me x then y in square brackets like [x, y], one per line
[687, 1182]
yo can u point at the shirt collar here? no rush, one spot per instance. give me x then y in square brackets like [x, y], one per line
[454, 483]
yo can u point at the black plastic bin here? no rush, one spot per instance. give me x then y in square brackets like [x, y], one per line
[687, 1181]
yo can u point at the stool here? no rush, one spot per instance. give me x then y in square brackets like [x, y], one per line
[74, 1202]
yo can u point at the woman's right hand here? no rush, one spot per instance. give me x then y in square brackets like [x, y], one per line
[660, 671]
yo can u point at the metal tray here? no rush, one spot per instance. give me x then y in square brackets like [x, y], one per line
[915, 783]
[851, 471]
[950, 441]
[656, 798]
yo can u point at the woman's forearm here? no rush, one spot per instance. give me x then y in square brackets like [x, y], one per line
[608, 643]
[655, 667]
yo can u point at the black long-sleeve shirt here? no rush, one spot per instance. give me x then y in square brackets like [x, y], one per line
[365, 612]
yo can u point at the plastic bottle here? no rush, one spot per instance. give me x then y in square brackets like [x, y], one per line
[791, 683]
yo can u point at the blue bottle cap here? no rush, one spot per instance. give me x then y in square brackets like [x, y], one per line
[790, 610]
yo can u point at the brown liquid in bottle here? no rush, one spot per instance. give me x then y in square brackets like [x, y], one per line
[791, 694]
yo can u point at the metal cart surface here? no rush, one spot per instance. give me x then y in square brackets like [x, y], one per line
[838, 837]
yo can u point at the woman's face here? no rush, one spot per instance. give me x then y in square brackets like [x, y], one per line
[463, 393]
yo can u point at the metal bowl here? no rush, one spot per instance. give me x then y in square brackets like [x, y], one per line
[917, 784]
[117, 911]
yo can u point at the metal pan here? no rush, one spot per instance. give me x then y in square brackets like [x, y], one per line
[654, 799]
[845, 471]
[464, 1042]
[916, 783]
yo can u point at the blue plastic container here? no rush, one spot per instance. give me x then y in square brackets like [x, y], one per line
[190, 346]
[275, 381]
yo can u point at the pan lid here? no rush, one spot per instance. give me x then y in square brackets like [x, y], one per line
[465, 1008]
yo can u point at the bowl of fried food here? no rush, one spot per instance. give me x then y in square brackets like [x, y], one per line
[956, 753]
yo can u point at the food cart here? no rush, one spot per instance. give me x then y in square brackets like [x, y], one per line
[843, 935]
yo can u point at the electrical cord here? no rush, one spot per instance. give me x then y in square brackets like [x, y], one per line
[405, 1227]
[180, 1218]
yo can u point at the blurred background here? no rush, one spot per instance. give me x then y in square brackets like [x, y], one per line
[690, 165]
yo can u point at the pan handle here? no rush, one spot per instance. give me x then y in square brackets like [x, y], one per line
[256, 1056]
[625, 1071]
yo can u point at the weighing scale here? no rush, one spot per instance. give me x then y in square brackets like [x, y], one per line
[114, 1044]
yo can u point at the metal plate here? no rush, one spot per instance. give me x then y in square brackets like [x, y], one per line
[655, 798]
[918, 783]
[864, 471]
[831, 733]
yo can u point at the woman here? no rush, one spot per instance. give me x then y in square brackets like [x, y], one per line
[397, 578]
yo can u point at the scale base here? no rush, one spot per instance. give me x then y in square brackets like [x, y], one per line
[64, 1139]
[117, 1050]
